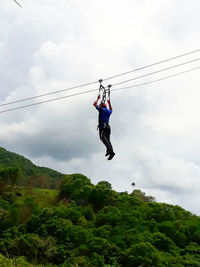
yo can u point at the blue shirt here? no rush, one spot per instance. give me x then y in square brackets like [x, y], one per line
[104, 114]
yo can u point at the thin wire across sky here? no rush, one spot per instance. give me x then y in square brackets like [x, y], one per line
[109, 78]
[112, 77]
[17, 3]
[93, 90]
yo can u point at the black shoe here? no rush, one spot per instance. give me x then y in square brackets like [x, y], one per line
[111, 155]
[107, 153]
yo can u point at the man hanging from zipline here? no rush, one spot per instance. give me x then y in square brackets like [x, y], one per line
[104, 116]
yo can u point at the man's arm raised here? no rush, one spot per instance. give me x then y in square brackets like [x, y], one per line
[109, 104]
[95, 102]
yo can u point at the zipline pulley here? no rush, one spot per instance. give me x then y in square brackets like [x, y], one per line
[104, 92]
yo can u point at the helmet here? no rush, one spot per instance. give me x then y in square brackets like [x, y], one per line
[103, 105]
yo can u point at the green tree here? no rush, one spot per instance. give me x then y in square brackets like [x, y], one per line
[161, 242]
[110, 215]
[8, 175]
[72, 185]
[102, 195]
[142, 254]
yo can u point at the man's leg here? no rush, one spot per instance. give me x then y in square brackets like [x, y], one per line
[103, 136]
[107, 136]
[111, 152]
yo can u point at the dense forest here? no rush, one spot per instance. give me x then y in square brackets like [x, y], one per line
[50, 219]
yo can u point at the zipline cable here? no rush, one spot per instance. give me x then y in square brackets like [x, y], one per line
[54, 92]
[87, 84]
[50, 100]
[153, 64]
[93, 90]
[17, 3]
[157, 80]
[154, 72]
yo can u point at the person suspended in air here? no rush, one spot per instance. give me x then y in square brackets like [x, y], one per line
[104, 127]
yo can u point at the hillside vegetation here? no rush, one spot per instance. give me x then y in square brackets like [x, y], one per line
[29, 171]
[82, 224]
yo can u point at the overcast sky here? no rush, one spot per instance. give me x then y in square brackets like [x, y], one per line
[51, 45]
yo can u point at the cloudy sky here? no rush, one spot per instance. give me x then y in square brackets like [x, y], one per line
[51, 45]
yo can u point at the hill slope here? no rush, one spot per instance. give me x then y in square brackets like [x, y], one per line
[10, 159]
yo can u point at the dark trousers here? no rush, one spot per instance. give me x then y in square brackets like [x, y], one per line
[104, 134]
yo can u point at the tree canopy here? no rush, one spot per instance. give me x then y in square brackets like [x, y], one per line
[82, 224]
